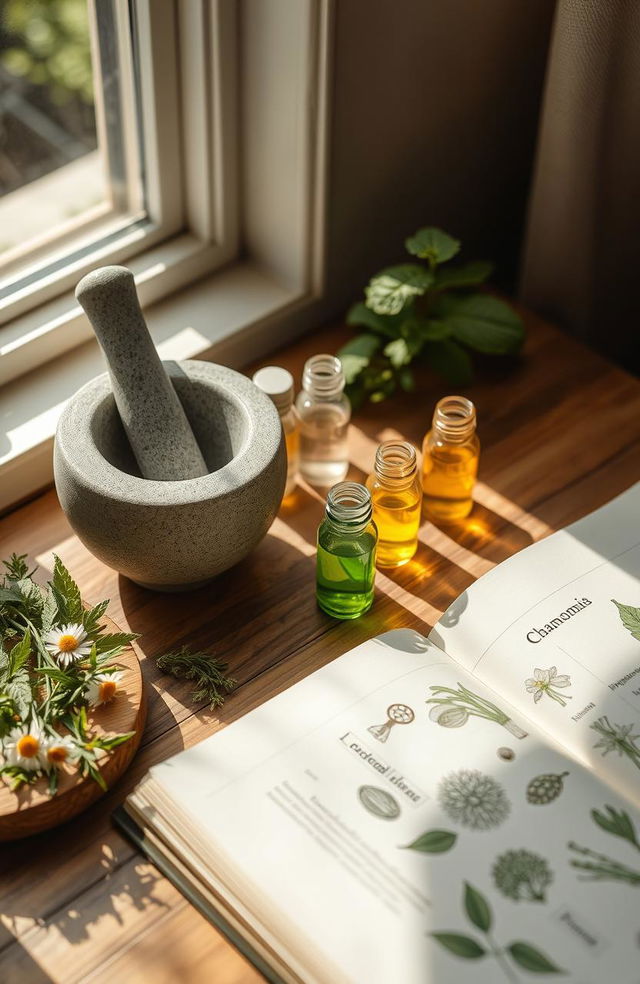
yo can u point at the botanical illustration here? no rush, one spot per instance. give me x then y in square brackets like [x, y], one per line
[506, 754]
[433, 842]
[548, 682]
[522, 875]
[473, 799]
[396, 714]
[599, 867]
[56, 660]
[453, 708]
[379, 802]
[524, 955]
[630, 618]
[545, 788]
[617, 738]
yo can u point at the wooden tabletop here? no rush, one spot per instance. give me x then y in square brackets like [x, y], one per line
[560, 432]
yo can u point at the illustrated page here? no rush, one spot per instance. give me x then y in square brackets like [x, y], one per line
[397, 819]
[556, 629]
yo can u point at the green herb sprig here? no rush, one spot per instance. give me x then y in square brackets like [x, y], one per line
[427, 311]
[208, 673]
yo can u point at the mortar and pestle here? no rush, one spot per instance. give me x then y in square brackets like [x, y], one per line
[169, 472]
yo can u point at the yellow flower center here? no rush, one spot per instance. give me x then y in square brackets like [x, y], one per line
[28, 746]
[67, 643]
[57, 754]
[107, 690]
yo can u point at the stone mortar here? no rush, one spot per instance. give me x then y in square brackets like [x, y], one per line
[176, 535]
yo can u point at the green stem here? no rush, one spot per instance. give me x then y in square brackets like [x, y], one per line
[501, 960]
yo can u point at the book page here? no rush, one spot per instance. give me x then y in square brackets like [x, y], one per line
[556, 630]
[380, 834]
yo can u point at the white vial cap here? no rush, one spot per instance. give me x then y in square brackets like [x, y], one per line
[277, 383]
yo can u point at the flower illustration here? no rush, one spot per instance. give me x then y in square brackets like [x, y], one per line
[102, 688]
[522, 875]
[548, 682]
[473, 799]
[617, 738]
[24, 747]
[67, 643]
[59, 749]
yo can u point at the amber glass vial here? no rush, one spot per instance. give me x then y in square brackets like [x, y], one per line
[450, 460]
[396, 494]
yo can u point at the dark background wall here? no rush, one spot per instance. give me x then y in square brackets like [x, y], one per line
[435, 112]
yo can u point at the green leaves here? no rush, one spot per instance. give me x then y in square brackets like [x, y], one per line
[616, 822]
[19, 655]
[532, 959]
[116, 640]
[428, 312]
[433, 245]
[477, 908]
[434, 842]
[630, 618]
[462, 946]
[482, 322]
[391, 290]
[67, 594]
[91, 617]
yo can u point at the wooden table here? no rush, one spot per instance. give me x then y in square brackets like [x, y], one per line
[561, 436]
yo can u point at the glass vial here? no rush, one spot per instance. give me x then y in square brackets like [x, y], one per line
[396, 494]
[277, 383]
[450, 460]
[324, 413]
[346, 556]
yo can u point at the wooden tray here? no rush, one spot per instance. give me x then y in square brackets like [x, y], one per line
[31, 809]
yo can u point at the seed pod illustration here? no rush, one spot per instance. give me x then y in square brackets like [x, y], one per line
[545, 788]
[379, 802]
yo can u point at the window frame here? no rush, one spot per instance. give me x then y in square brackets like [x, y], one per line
[191, 226]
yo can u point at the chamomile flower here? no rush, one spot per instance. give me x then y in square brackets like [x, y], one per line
[24, 746]
[59, 749]
[67, 643]
[547, 682]
[102, 688]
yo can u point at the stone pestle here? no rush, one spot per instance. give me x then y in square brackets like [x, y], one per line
[153, 417]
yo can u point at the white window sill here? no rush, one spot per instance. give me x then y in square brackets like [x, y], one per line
[225, 317]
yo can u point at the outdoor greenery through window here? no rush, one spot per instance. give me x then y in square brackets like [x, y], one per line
[64, 158]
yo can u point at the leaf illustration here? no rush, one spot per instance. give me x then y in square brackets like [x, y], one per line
[630, 618]
[477, 908]
[433, 245]
[615, 822]
[434, 842]
[462, 946]
[527, 957]
[391, 289]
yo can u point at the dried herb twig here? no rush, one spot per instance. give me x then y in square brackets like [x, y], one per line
[208, 672]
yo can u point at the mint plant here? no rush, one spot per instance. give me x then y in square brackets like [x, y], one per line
[428, 311]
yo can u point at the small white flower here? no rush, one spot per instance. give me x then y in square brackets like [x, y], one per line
[24, 746]
[67, 643]
[547, 682]
[102, 688]
[59, 749]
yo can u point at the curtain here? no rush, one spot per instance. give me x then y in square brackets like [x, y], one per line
[581, 250]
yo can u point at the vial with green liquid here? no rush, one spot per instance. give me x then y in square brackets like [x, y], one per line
[346, 559]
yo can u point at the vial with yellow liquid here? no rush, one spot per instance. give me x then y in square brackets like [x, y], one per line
[277, 383]
[450, 455]
[396, 494]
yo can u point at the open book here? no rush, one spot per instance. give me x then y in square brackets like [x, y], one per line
[459, 808]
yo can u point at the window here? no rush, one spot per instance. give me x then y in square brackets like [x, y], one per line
[100, 101]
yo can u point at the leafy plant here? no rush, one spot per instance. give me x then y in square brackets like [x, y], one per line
[473, 799]
[425, 311]
[523, 955]
[599, 867]
[453, 708]
[617, 738]
[522, 875]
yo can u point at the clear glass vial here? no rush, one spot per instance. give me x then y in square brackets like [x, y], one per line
[346, 557]
[396, 494]
[450, 460]
[324, 411]
[277, 383]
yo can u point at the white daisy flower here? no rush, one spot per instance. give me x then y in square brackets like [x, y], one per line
[59, 749]
[547, 682]
[25, 747]
[67, 643]
[102, 688]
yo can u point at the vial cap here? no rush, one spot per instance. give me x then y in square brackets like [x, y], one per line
[277, 383]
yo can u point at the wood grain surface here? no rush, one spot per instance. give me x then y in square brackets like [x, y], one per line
[31, 809]
[560, 430]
